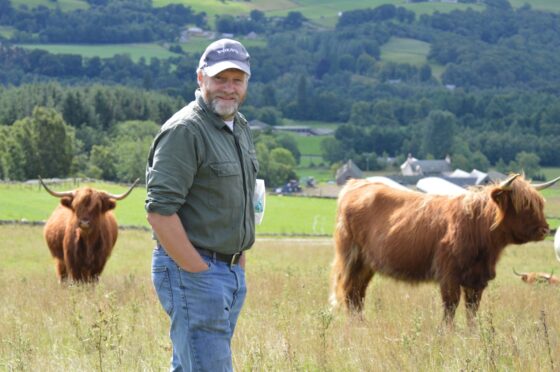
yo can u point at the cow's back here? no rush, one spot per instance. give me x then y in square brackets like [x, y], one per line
[397, 232]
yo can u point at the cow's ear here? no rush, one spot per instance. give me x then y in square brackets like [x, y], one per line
[67, 201]
[500, 197]
[108, 204]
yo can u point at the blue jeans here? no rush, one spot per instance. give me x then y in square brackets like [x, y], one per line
[203, 308]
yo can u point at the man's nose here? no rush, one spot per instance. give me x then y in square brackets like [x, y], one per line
[229, 86]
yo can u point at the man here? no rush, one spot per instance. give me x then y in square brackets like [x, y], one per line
[200, 180]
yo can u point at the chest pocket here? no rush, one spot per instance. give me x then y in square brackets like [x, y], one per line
[227, 184]
[225, 169]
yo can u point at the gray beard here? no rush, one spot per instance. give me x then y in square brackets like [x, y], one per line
[224, 111]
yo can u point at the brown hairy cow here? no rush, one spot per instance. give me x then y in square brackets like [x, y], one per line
[454, 241]
[82, 231]
[536, 277]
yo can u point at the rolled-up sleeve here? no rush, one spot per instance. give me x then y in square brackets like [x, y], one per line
[171, 168]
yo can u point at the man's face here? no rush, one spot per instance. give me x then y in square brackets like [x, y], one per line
[224, 92]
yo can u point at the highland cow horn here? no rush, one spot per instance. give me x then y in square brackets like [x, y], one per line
[516, 273]
[55, 193]
[542, 186]
[506, 184]
[124, 195]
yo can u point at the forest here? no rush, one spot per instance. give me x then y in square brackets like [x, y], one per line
[487, 94]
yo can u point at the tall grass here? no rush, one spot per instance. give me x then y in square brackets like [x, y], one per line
[286, 324]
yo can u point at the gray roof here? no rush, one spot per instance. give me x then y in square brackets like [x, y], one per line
[431, 166]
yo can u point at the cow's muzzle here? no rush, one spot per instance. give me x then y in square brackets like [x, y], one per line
[83, 224]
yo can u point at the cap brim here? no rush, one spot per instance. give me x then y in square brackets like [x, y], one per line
[225, 65]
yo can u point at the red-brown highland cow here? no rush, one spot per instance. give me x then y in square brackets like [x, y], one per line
[82, 231]
[536, 277]
[414, 237]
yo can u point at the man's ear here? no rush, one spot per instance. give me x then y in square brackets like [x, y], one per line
[199, 77]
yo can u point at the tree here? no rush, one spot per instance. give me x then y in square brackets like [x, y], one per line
[332, 150]
[47, 143]
[528, 163]
[439, 131]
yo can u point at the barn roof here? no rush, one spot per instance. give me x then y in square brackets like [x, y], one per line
[389, 182]
[439, 186]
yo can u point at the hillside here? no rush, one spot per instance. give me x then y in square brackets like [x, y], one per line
[480, 83]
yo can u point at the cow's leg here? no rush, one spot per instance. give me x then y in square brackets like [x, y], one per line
[451, 295]
[350, 275]
[342, 252]
[355, 287]
[472, 301]
[60, 268]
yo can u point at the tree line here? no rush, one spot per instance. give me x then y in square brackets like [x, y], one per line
[495, 104]
[100, 132]
[107, 21]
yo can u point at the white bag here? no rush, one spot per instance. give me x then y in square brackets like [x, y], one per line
[259, 199]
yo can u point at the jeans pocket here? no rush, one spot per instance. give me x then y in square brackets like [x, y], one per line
[162, 285]
[208, 262]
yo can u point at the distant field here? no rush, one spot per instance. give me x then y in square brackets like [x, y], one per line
[411, 51]
[309, 145]
[211, 7]
[198, 44]
[135, 51]
[326, 13]
[548, 5]
[401, 50]
[6, 31]
[65, 5]
[284, 215]
[311, 123]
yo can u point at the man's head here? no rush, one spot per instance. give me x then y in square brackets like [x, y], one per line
[223, 74]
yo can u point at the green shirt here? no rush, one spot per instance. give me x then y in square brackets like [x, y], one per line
[206, 174]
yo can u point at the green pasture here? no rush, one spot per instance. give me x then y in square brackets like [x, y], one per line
[29, 202]
[325, 13]
[411, 51]
[7, 32]
[286, 323]
[197, 45]
[135, 51]
[309, 168]
[546, 5]
[309, 145]
[64, 5]
[311, 123]
[285, 215]
[401, 50]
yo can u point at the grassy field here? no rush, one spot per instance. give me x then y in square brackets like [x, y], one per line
[29, 202]
[325, 13]
[135, 51]
[198, 44]
[547, 5]
[411, 51]
[286, 323]
[6, 31]
[284, 215]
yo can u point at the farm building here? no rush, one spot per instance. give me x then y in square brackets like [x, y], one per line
[415, 167]
[347, 171]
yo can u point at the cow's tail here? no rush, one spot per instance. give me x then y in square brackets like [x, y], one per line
[346, 257]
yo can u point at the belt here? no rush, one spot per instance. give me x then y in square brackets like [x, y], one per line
[232, 259]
